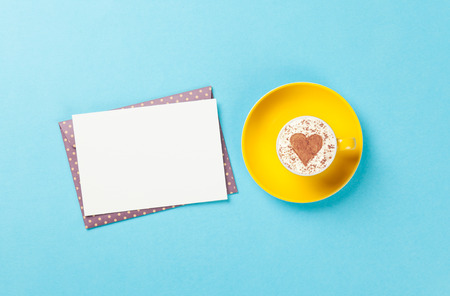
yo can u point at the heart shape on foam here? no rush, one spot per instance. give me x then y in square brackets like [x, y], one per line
[306, 147]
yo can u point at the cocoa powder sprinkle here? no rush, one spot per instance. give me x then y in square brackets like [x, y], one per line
[307, 127]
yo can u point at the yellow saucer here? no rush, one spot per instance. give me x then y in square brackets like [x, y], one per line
[265, 121]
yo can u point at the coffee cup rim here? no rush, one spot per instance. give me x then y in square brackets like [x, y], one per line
[278, 140]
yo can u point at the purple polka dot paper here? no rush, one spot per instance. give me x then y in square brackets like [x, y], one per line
[67, 133]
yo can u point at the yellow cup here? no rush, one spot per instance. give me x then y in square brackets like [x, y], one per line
[341, 144]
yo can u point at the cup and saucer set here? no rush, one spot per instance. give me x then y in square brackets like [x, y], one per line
[302, 142]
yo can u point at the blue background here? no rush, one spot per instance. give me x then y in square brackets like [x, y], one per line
[386, 233]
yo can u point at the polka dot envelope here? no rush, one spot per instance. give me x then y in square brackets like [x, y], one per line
[71, 150]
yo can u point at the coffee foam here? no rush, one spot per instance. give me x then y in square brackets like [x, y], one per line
[307, 126]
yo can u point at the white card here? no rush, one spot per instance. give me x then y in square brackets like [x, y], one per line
[149, 157]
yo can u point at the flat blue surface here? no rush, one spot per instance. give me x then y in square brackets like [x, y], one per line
[386, 233]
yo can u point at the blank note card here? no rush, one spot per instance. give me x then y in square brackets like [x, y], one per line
[149, 157]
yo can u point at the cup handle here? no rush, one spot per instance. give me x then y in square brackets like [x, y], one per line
[346, 144]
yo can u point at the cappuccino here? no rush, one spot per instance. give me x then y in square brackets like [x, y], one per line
[306, 145]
